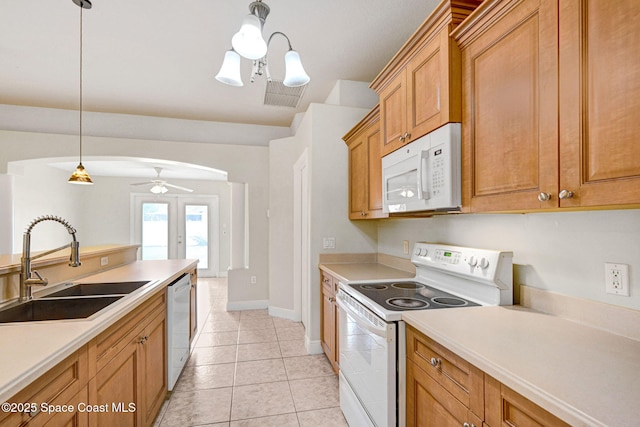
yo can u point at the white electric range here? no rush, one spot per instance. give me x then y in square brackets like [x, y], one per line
[372, 333]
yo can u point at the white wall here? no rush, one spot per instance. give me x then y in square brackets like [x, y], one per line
[244, 164]
[320, 131]
[562, 252]
[6, 214]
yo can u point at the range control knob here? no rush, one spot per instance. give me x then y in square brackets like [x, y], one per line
[417, 251]
[484, 263]
[472, 261]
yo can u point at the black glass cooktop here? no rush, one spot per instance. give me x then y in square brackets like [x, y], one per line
[399, 296]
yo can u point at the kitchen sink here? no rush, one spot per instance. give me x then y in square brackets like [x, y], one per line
[56, 309]
[90, 289]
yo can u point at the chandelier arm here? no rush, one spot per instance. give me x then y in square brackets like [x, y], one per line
[283, 35]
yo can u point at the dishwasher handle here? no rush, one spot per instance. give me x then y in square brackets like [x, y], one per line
[180, 284]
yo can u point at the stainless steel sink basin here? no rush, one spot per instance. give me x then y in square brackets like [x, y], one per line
[89, 289]
[56, 309]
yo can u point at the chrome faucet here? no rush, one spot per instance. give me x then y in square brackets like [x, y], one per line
[26, 279]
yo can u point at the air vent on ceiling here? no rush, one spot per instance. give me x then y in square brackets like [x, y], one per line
[280, 95]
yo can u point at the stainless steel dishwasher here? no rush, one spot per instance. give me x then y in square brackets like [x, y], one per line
[177, 327]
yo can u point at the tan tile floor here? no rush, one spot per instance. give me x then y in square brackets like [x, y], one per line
[250, 369]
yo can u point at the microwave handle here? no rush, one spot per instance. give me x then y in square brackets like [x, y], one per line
[423, 176]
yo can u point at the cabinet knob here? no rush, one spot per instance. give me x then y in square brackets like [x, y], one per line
[468, 425]
[543, 197]
[565, 194]
[406, 135]
[363, 213]
[332, 300]
[401, 138]
[435, 362]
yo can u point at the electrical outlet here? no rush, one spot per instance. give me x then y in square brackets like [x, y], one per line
[104, 261]
[254, 279]
[405, 247]
[616, 278]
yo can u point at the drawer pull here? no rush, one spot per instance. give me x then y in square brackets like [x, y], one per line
[468, 425]
[436, 363]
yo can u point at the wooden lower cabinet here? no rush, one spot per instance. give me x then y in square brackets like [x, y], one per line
[443, 389]
[329, 313]
[63, 385]
[131, 385]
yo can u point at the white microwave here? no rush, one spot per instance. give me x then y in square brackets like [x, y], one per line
[425, 174]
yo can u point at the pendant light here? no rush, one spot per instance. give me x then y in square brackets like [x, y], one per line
[80, 175]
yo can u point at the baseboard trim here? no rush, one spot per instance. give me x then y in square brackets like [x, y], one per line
[284, 313]
[247, 305]
[313, 347]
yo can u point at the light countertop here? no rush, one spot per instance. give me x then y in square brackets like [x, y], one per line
[32, 348]
[583, 375]
[363, 272]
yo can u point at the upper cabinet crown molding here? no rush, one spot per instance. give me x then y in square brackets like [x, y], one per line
[446, 13]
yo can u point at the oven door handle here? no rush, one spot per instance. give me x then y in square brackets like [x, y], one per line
[381, 331]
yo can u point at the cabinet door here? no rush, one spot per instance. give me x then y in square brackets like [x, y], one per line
[154, 368]
[510, 113]
[431, 89]
[393, 113]
[374, 164]
[430, 405]
[599, 102]
[328, 326]
[119, 383]
[358, 178]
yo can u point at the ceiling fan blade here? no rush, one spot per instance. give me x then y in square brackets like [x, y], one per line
[177, 187]
[142, 183]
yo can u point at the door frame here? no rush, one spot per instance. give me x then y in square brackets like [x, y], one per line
[301, 237]
[176, 210]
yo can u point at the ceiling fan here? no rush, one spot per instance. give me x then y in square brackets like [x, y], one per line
[159, 186]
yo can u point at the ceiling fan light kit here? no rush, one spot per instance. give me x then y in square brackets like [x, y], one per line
[249, 43]
[160, 186]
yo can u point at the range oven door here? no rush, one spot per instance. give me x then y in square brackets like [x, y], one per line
[367, 365]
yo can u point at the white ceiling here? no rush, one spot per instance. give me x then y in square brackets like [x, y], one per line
[159, 57]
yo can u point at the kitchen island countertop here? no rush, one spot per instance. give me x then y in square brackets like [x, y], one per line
[583, 375]
[30, 349]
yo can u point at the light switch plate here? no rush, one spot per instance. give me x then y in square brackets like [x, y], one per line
[616, 278]
[328, 243]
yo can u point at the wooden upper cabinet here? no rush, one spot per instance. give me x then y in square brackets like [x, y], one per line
[599, 102]
[551, 95]
[365, 168]
[510, 114]
[420, 87]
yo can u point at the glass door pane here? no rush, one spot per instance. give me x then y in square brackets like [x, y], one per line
[196, 223]
[155, 231]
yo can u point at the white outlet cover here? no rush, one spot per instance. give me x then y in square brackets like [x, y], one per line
[616, 278]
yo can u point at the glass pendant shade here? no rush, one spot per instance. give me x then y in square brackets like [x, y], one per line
[294, 72]
[80, 176]
[248, 42]
[230, 70]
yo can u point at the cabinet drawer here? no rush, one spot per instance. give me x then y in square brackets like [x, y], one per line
[118, 336]
[329, 285]
[58, 386]
[461, 379]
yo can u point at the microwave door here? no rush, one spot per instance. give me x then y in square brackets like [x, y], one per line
[423, 176]
[401, 189]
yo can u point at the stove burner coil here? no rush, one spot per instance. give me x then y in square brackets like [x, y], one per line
[412, 286]
[408, 303]
[449, 301]
[374, 287]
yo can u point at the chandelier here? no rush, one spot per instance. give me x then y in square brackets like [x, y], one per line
[249, 43]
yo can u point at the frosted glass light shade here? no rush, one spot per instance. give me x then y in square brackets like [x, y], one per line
[230, 70]
[248, 42]
[158, 189]
[294, 72]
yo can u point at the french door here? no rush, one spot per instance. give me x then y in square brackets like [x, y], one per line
[178, 227]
